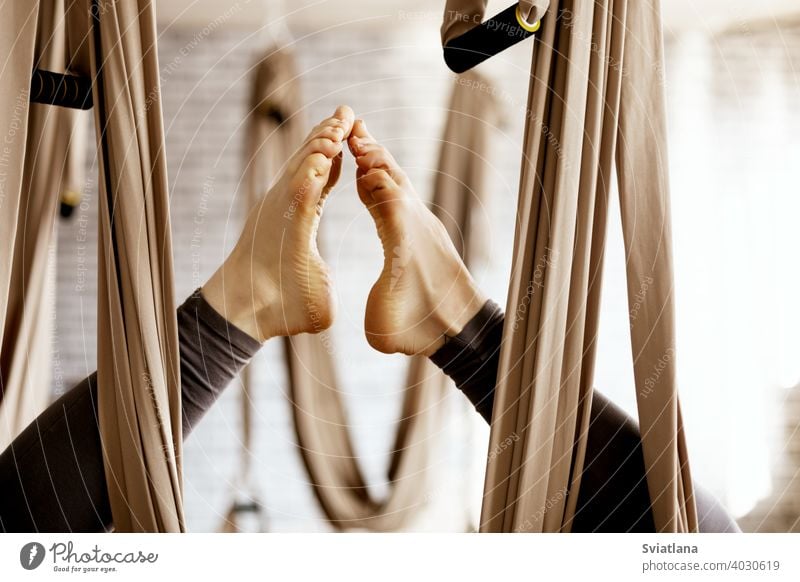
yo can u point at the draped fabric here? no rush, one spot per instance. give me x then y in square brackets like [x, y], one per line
[52, 147]
[459, 187]
[246, 498]
[18, 44]
[275, 131]
[595, 95]
[138, 375]
[137, 362]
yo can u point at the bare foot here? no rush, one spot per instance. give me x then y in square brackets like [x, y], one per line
[274, 282]
[425, 291]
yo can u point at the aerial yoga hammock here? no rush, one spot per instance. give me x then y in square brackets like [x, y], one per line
[138, 375]
[52, 153]
[596, 93]
[275, 129]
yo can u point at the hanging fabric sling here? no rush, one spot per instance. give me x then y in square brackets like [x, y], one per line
[52, 147]
[246, 506]
[595, 94]
[276, 130]
[138, 371]
[138, 375]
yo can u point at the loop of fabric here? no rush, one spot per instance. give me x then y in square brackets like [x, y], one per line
[138, 374]
[137, 369]
[594, 96]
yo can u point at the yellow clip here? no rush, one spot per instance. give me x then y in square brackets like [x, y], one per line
[71, 197]
[524, 24]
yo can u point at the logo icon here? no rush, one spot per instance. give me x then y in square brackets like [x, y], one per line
[31, 555]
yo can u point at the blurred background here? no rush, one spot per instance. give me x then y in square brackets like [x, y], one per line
[733, 85]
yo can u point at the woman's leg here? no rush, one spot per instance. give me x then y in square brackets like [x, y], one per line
[433, 307]
[52, 475]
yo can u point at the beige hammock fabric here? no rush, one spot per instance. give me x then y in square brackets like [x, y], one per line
[246, 498]
[53, 157]
[137, 362]
[17, 44]
[595, 93]
[275, 130]
[138, 374]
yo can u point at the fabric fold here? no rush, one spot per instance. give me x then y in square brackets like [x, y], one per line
[137, 362]
[53, 146]
[594, 97]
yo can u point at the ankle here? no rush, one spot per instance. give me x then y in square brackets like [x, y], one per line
[244, 297]
[454, 309]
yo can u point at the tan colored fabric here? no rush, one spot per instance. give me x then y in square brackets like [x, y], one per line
[318, 409]
[53, 159]
[459, 190]
[137, 368]
[17, 44]
[246, 497]
[643, 175]
[275, 127]
[594, 77]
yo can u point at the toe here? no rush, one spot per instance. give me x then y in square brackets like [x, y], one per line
[321, 145]
[384, 195]
[344, 114]
[360, 137]
[309, 182]
[375, 180]
[370, 154]
[337, 126]
[374, 158]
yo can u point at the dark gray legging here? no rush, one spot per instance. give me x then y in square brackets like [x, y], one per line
[52, 477]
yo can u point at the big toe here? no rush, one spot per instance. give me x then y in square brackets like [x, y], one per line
[370, 154]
